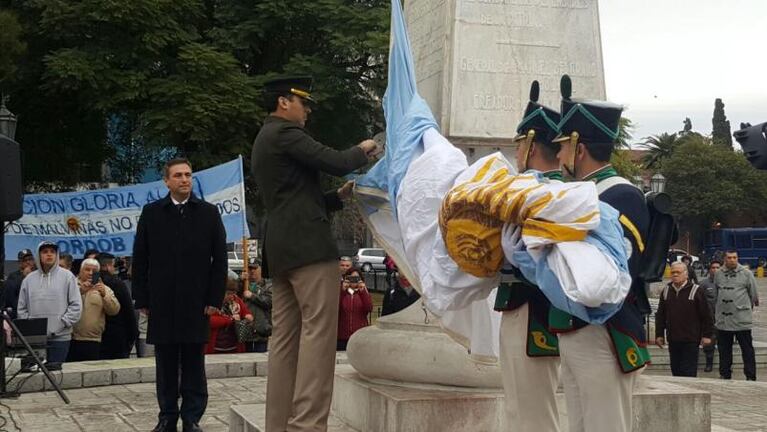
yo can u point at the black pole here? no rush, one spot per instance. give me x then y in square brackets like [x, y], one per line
[3, 347]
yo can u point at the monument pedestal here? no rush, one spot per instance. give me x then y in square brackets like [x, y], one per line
[390, 407]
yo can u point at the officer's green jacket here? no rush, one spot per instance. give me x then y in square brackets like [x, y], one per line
[286, 163]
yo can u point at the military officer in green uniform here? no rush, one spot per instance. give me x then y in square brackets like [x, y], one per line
[600, 363]
[529, 354]
[300, 255]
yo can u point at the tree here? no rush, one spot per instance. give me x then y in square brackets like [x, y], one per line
[624, 165]
[659, 147]
[11, 45]
[189, 73]
[130, 156]
[625, 132]
[708, 181]
[721, 134]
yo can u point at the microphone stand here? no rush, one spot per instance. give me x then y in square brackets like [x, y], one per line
[3, 348]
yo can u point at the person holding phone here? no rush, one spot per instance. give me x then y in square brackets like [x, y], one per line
[98, 301]
[354, 306]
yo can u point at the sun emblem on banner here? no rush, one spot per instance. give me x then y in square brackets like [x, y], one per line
[73, 224]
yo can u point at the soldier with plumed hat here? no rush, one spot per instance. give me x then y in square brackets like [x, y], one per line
[300, 254]
[529, 355]
[601, 363]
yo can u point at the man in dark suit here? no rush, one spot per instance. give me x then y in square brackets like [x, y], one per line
[121, 330]
[179, 276]
[300, 255]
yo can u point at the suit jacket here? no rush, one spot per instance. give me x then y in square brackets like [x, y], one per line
[121, 330]
[179, 268]
[286, 164]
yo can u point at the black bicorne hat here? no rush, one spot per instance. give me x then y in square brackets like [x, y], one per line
[542, 119]
[595, 121]
[753, 141]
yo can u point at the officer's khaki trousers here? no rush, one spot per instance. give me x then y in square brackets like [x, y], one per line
[302, 350]
[529, 384]
[597, 392]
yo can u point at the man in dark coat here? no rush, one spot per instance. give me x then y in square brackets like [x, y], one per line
[121, 330]
[10, 294]
[300, 255]
[399, 296]
[179, 276]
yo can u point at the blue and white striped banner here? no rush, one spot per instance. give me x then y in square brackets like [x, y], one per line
[106, 219]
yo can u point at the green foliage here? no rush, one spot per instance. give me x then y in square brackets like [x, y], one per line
[709, 181]
[11, 45]
[721, 134]
[625, 132]
[189, 73]
[659, 147]
[626, 168]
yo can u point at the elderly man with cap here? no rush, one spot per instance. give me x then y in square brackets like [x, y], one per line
[529, 354]
[10, 295]
[51, 292]
[258, 298]
[600, 363]
[300, 254]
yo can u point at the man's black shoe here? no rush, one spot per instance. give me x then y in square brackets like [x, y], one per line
[165, 425]
[191, 427]
[724, 377]
[708, 368]
[53, 366]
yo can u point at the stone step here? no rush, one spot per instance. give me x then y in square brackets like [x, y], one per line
[134, 370]
[660, 357]
[250, 418]
[372, 407]
[380, 407]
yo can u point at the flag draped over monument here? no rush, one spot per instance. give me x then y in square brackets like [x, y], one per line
[562, 227]
[399, 208]
[408, 116]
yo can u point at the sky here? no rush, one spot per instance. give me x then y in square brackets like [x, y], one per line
[670, 59]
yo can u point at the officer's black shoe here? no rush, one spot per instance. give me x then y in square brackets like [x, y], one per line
[192, 427]
[165, 425]
[708, 368]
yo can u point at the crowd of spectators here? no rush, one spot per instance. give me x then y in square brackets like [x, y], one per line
[91, 314]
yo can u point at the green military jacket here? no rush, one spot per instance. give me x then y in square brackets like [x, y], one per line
[286, 163]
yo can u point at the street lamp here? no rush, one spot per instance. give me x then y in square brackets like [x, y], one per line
[7, 120]
[658, 183]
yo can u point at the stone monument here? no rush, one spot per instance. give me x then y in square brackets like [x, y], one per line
[475, 60]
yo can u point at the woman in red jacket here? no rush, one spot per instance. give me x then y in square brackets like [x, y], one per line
[354, 306]
[223, 333]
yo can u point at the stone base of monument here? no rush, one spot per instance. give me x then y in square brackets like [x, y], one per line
[388, 407]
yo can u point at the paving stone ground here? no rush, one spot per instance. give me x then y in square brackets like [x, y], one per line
[120, 408]
[736, 405]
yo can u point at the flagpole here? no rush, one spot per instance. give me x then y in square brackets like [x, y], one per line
[245, 236]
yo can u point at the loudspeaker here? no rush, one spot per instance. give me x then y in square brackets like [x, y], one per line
[10, 180]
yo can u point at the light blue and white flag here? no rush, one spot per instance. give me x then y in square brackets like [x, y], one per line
[106, 219]
[400, 197]
[408, 116]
